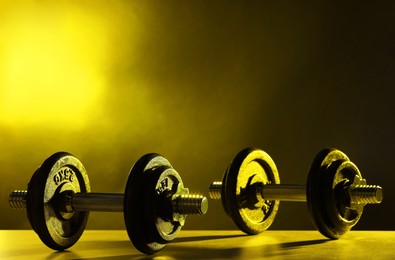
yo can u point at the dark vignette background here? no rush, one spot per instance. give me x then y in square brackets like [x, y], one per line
[197, 81]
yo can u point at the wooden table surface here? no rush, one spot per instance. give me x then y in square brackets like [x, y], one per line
[208, 244]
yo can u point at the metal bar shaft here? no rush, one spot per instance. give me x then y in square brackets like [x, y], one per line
[105, 202]
[284, 192]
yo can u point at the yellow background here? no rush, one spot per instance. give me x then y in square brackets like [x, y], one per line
[196, 81]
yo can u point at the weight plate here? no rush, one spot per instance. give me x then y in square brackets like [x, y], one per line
[60, 172]
[151, 177]
[330, 174]
[223, 193]
[250, 167]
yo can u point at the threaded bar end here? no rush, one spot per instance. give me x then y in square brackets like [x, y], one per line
[190, 204]
[366, 194]
[17, 199]
[215, 190]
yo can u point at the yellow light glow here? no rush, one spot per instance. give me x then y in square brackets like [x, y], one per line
[50, 65]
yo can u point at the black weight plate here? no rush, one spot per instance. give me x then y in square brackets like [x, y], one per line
[60, 172]
[223, 192]
[148, 232]
[331, 170]
[250, 166]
